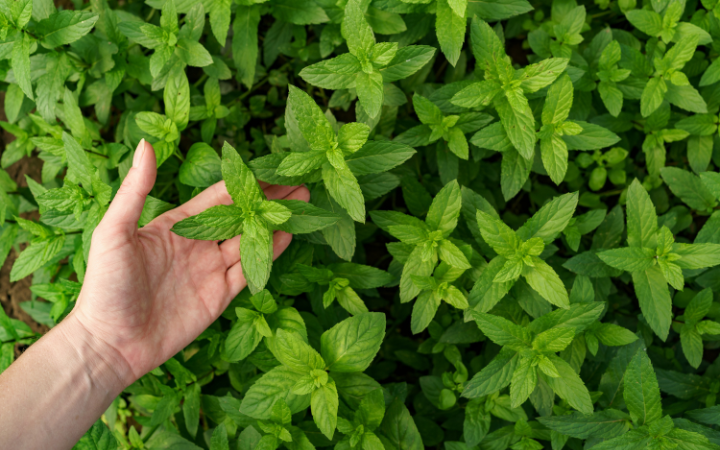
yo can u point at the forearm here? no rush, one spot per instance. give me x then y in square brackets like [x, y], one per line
[59, 387]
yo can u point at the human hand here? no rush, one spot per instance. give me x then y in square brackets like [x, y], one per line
[149, 292]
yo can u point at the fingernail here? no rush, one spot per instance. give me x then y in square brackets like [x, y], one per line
[139, 152]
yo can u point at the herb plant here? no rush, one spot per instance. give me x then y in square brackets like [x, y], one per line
[512, 239]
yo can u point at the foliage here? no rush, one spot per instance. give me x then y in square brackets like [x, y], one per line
[512, 239]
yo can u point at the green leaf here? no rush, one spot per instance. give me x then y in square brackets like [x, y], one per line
[245, 42]
[654, 297]
[633, 439]
[219, 440]
[398, 429]
[478, 94]
[352, 136]
[302, 12]
[554, 157]
[356, 30]
[216, 223]
[294, 353]
[202, 166]
[342, 185]
[486, 45]
[686, 97]
[256, 249]
[306, 218]
[539, 75]
[273, 386]
[642, 393]
[193, 53]
[630, 259]
[569, 386]
[493, 377]
[177, 98]
[592, 137]
[605, 424]
[35, 256]
[220, 19]
[445, 209]
[524, 381]
[692, 345]
[369, 88]
[547, 283]
[99, 437]
[274, 213]
[579, 316]
[652, 96]
[324, 407]
[476, 424]
[649, 22]
[452, 255]
[153, 208]
[697, 256]
[551, 219]
[641, 217]
[21, 64]
[501, 331]
[243, 337]
[301, 163]
[611, 96]
[514, 173]
[689, 188]
[239, 180]
[427, 111]
[377, 157]
[450, 31]
[407, 61]
[519, 124]
[711, 180]
[415, 265]
[498, 235]
[311, 121]
[424, 309]
[335, 73]
[65, 27]
[351, 345]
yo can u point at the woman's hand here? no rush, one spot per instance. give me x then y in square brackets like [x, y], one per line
[149, 292]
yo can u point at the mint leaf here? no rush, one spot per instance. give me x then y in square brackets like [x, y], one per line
[642, 394]
[351, 345]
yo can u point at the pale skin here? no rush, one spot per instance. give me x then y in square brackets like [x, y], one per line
[148, 293]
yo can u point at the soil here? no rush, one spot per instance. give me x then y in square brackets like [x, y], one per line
[11, 294]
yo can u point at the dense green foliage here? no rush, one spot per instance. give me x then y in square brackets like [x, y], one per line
[513, 227]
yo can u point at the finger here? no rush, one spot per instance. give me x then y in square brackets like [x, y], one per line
[126, 207]
[231, 248]
[217, 194]
[234, 276]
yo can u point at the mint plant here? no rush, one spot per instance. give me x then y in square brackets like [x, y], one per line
[306, 376]
[528, 355]
[655, 260]
[518, 255]
[426, 241]
[504, 90]
[253, 216]
[694, 327]
[368, 64]
[336, 282]
[511, 240]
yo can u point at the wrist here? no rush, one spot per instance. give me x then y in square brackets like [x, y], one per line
[104, 367]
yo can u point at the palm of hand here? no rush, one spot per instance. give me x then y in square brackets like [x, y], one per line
[149, 292]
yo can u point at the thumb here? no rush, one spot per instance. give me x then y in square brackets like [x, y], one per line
[126, 207]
